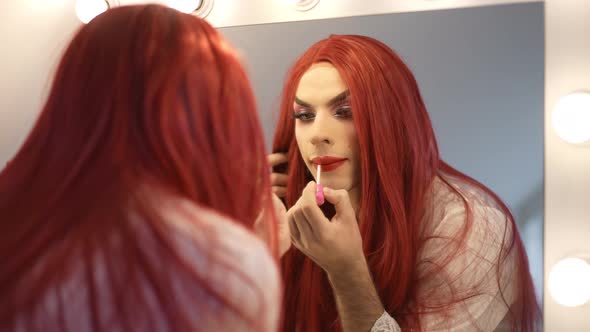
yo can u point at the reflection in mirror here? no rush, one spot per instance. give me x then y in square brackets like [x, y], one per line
[480, 73]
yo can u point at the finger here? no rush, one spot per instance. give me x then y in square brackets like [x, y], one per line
[305, 230]
[293, 229]
[279, 179]
[278, 204]
[280, 191]
[340, 200]
[312, 212]
[277, 158]
[297, 245]
[312, 190]
[279, 210]
[309, 190]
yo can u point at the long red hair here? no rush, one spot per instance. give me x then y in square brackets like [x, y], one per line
[400, 160]
[145, 98]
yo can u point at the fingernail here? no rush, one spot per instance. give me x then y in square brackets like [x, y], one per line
[319, 194]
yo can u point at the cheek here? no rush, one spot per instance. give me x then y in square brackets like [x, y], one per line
[353, 142]
[299, 137]
[355, 151]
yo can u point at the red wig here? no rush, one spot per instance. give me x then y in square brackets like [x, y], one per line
[399, 161]
[145, 97]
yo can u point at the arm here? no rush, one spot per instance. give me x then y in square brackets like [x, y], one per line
[473, 273]
[357, 300]
[336, 246]
[462, 285]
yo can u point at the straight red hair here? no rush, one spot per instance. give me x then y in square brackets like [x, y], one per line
[400, 160]
[145, 97]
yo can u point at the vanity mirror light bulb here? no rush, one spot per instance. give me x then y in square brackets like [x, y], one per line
[86, 10]
[185, 6]
[571, 117]
[569, 282]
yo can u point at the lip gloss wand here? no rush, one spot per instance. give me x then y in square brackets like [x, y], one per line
[319, 191]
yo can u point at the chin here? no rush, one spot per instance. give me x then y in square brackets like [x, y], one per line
[337, 185]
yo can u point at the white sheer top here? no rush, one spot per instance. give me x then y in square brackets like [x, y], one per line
[241, 269]
[475, 267]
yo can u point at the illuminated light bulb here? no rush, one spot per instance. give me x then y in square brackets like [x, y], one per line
[571, 117]
[86, 10]
[185, 6]
[569, 282]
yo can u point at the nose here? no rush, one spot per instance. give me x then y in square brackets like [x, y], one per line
[320, 139]
[321, 134]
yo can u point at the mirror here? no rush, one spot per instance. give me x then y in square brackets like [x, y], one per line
[480, 71]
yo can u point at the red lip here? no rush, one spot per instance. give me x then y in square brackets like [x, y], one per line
[328, 163]
[326, 160]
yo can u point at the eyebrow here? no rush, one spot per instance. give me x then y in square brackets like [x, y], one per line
[341, 97]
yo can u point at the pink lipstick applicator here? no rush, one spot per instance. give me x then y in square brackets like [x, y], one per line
[319, 190]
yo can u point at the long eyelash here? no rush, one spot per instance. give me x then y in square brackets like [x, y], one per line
[345, 111]
[299, 116]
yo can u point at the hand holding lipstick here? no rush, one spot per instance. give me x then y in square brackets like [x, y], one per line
[319, 190]
[326, 163]
[335, 245]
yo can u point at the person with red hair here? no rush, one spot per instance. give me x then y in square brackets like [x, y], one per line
[404, 241]
[133, 202]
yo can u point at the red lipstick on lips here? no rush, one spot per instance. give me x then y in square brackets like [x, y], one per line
[328, 163]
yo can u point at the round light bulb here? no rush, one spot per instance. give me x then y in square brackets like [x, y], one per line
[569, 282]
[86, 10]
[185, 6]
[571, 117]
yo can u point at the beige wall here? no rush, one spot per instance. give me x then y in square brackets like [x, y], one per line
[567, 167]
[32, 34]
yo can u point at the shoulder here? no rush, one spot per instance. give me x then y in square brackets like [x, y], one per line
[225, 239]
[467, 257]
[236, 263]
[469, 232]
[461, 206]
[202, 224]
[213, 272]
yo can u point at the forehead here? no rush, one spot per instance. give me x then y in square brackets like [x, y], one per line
[320, 83]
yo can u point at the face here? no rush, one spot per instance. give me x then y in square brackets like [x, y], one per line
[324, 128]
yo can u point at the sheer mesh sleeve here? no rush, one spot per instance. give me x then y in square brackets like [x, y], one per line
[225, 267]
[467, 285]
[242, 271]
[385, 323]
[464, 285]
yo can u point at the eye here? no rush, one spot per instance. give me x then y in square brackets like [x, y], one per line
[343, 112]
[304, 116]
